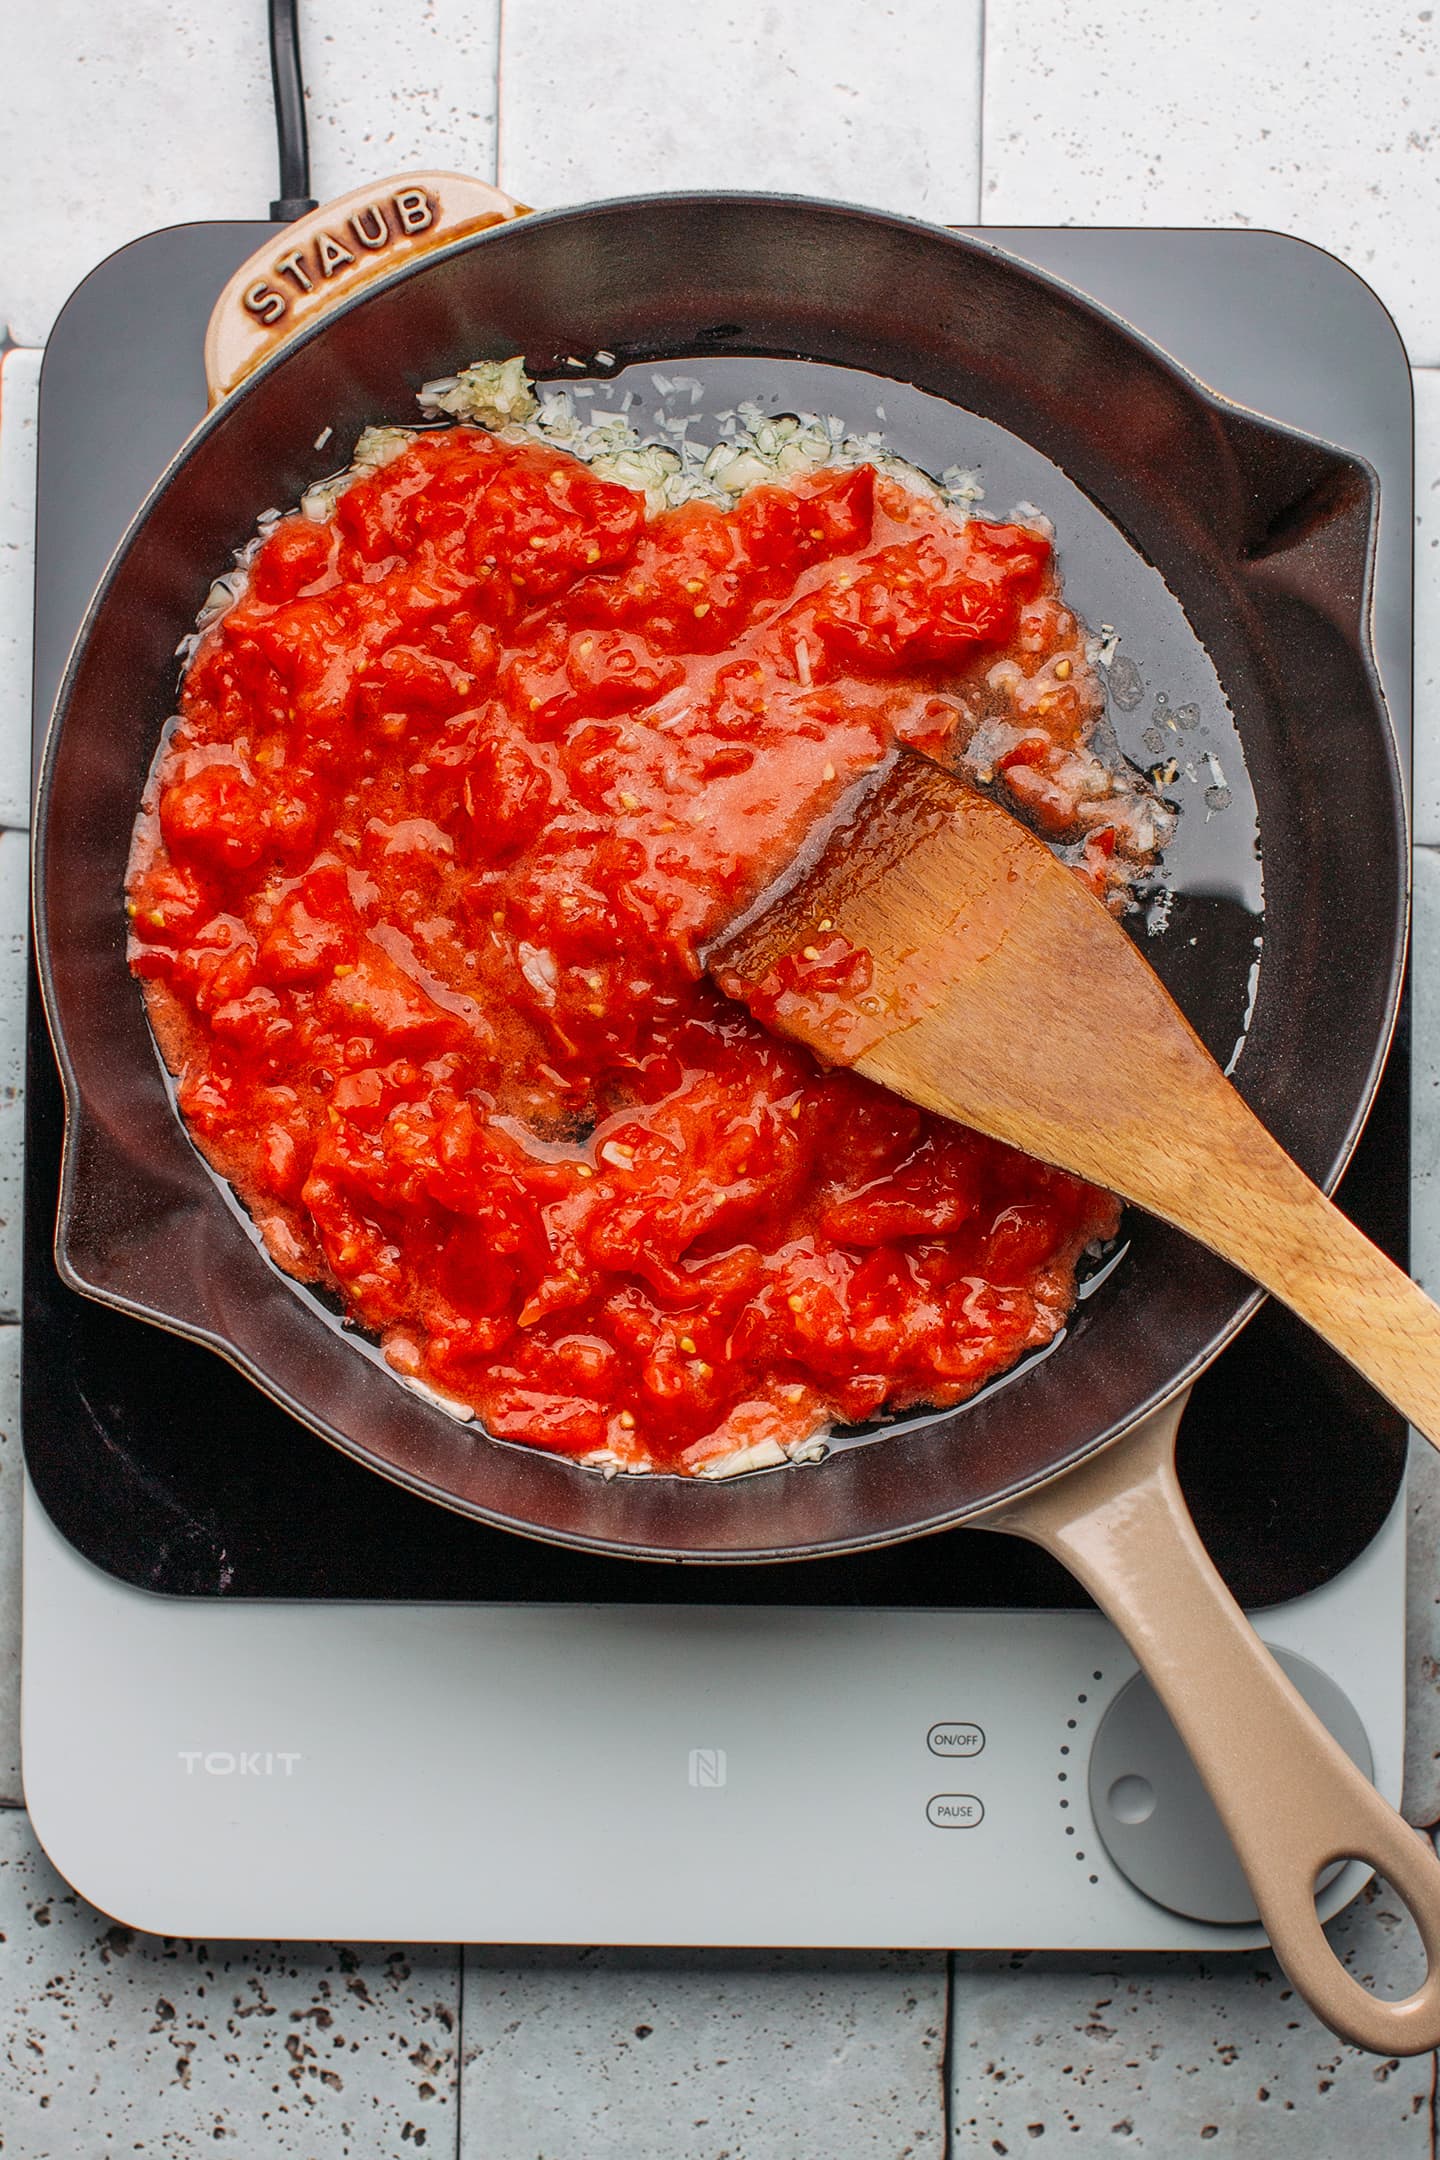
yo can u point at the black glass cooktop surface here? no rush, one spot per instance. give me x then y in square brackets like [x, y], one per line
[165, 1467]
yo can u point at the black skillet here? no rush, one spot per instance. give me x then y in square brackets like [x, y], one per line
[1236, 553]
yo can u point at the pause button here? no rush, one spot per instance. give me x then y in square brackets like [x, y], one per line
[954, 1811]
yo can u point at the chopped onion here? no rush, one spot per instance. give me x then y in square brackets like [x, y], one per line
[538, 967]
[758, 1455]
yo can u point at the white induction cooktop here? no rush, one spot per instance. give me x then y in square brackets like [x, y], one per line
[715, 1774]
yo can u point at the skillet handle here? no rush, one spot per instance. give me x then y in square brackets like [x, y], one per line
[330, 252]
[1289, 1796]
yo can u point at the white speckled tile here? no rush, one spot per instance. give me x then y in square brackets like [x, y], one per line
[118, 2043]
[121, 119]
[1322, 120]
[19, 402]
[1176, 2055]
[1427, 613]
[11, 1468]
[655, 2055]
[1421, 1803]
[118, 120]
[14, 933]
[381, 103]
[875, 104]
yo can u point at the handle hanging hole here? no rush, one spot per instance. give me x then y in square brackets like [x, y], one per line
[1375, 1937]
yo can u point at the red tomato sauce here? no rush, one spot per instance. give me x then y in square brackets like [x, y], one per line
[459, 787]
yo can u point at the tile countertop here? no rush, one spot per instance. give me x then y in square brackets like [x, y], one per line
[1245, 112]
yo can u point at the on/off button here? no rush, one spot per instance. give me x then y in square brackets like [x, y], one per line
[955, 1811]
[958, 1737]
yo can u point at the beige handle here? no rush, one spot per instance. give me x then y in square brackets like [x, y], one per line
[328, 253]
[1289, 1796]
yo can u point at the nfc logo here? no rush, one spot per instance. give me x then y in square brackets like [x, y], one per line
[708, 1767]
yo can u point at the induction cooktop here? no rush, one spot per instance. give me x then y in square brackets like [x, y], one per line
[209, 1584]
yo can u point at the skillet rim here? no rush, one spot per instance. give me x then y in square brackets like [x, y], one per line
[76, 1114]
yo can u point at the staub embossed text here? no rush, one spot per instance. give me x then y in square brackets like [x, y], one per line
[369, 230]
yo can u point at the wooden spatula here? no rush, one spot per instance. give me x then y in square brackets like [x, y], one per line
[939, 948]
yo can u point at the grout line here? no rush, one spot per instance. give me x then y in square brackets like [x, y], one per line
[460, 2055]
[980, 148]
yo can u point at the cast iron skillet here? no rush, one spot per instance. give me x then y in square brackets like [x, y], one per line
[1242, 549]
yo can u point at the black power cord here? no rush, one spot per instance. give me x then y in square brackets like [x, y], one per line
[294, 198]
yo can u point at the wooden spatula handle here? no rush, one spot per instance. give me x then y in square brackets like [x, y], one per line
[1289, 1796]
[1249, 1202]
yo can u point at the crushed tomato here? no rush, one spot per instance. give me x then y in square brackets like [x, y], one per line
[459, 786]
